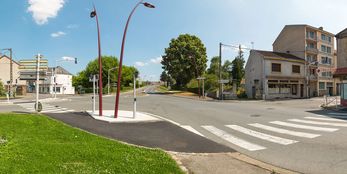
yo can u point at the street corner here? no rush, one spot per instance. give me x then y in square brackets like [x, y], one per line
[123, 117]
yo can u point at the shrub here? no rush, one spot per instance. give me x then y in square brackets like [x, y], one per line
[2, 89]
[241, 93]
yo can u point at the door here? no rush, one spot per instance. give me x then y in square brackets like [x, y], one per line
[253, 92]
[302, 91]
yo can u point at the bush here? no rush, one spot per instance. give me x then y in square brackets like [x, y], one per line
[2, 89]
[241, 93]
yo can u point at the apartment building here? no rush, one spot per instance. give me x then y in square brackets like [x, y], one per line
[317, 47]
[274, 75]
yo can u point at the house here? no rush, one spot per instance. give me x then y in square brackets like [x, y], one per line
[317, 47]
[59, 80]
[17, 85]
[273, 75]
[341, 71]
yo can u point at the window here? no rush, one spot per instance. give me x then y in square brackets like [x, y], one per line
[276, 67]
[323, 48]
[326, 60]
[326, 74]
[322, 85]
[329, 39]
[296, 69]
[310, 34]
[312, 71]
[311, 58]
[329, 50]
[323, 36]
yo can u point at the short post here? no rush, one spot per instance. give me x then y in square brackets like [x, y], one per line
[8, 97]
[134, 113]
[94, 79]
[203, 88]
[222, 91]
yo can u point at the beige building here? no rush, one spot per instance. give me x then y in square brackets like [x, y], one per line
[273, 75]
[341, 71]
[317, 47]
[19, 85]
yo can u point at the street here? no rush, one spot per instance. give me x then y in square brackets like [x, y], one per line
[292, 134]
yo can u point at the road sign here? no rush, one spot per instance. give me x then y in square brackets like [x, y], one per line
[223, 81]
[201, 78]
[30, 65]
[31, 75]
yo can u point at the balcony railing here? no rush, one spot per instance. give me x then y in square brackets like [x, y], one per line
[312, 50]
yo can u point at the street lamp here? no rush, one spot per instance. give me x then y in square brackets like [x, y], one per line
[108, 79]
[148, 5]
[92, 15]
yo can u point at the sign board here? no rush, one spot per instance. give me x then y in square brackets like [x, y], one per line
[31, 75]
[30, 65]
[223, 81]
[91, 78]
[201, 78]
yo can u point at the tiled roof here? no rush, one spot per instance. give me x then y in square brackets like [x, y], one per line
[60, 70]
[278, 55]
[342, 34]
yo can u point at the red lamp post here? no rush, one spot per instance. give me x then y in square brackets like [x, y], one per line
[148, 5]
[92, 15]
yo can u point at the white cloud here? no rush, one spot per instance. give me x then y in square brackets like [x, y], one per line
[42, 10]
[140, 64]
[58, 34]
[156, 60]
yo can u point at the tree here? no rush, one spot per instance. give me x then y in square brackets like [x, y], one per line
[2, 89]
[108, 62]
[238, 71]
[164, 77]
[185, 59]
[214, 66]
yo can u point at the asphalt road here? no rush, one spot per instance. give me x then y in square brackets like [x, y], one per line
[293, 134]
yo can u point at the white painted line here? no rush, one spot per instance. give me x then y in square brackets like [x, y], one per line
[304, 126]
[319, 123]
[232, 139]
[285, 131]
[191, 129]
[262, 136]
[326, 119]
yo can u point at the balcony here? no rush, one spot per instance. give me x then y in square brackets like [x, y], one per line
[312, 50]
[310, 38]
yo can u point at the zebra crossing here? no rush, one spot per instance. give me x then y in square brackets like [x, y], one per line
[46, 108]
[291, 131]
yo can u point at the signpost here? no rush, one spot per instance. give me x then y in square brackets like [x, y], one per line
[222, 82]
[203, 85]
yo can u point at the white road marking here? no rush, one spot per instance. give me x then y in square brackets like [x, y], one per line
[262, 136]
[191, 129]
[285, 131]
[232, 139]
[46, 108]
[325, 119]
[319, 123]
[324, 129]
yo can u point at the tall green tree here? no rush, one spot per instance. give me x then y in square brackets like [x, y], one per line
[108, 62]
[238, 71]
[185, 59]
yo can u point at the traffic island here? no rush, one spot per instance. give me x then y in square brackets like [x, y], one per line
[123, 117]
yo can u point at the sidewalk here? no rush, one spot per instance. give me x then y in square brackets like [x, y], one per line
[195, 154]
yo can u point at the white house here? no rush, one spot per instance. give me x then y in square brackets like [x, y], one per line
[63, 82]
[271, 75]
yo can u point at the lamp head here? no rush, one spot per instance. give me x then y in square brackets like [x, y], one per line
[148, 5]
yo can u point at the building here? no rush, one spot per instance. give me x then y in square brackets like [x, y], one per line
[63, 80]
[273, 75]
[341, 71]
[18, 85]
[317, 47]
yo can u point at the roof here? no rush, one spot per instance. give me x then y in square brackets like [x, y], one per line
[4, 56]
[59, 70]
[301, 25]
[342, 34]
[279, 55]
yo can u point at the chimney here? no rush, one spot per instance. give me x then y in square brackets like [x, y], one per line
[321, 28]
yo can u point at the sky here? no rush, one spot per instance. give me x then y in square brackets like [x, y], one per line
[58, 28]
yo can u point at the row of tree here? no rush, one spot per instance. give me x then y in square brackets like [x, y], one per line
[185, 59]
[108, 62]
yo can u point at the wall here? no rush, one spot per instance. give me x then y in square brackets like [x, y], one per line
[291, 38]
[254, 71]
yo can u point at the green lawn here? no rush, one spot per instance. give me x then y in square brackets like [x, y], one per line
[38, 144]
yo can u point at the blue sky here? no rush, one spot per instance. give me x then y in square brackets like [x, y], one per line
[57, 28]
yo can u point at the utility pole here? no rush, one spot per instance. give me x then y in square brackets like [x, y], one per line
[220, 69]
[38, 59]
[134, 113]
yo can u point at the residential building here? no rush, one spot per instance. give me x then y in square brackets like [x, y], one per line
[341, 71]
[316, 46]
[18, 85]
[58, 79]
[272, 75]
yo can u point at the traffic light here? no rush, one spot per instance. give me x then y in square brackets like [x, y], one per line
[75, 60]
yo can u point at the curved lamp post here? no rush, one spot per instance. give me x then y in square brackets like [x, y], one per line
[148, 5]
[92, 15]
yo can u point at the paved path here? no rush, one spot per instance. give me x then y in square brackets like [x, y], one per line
[159, 134]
